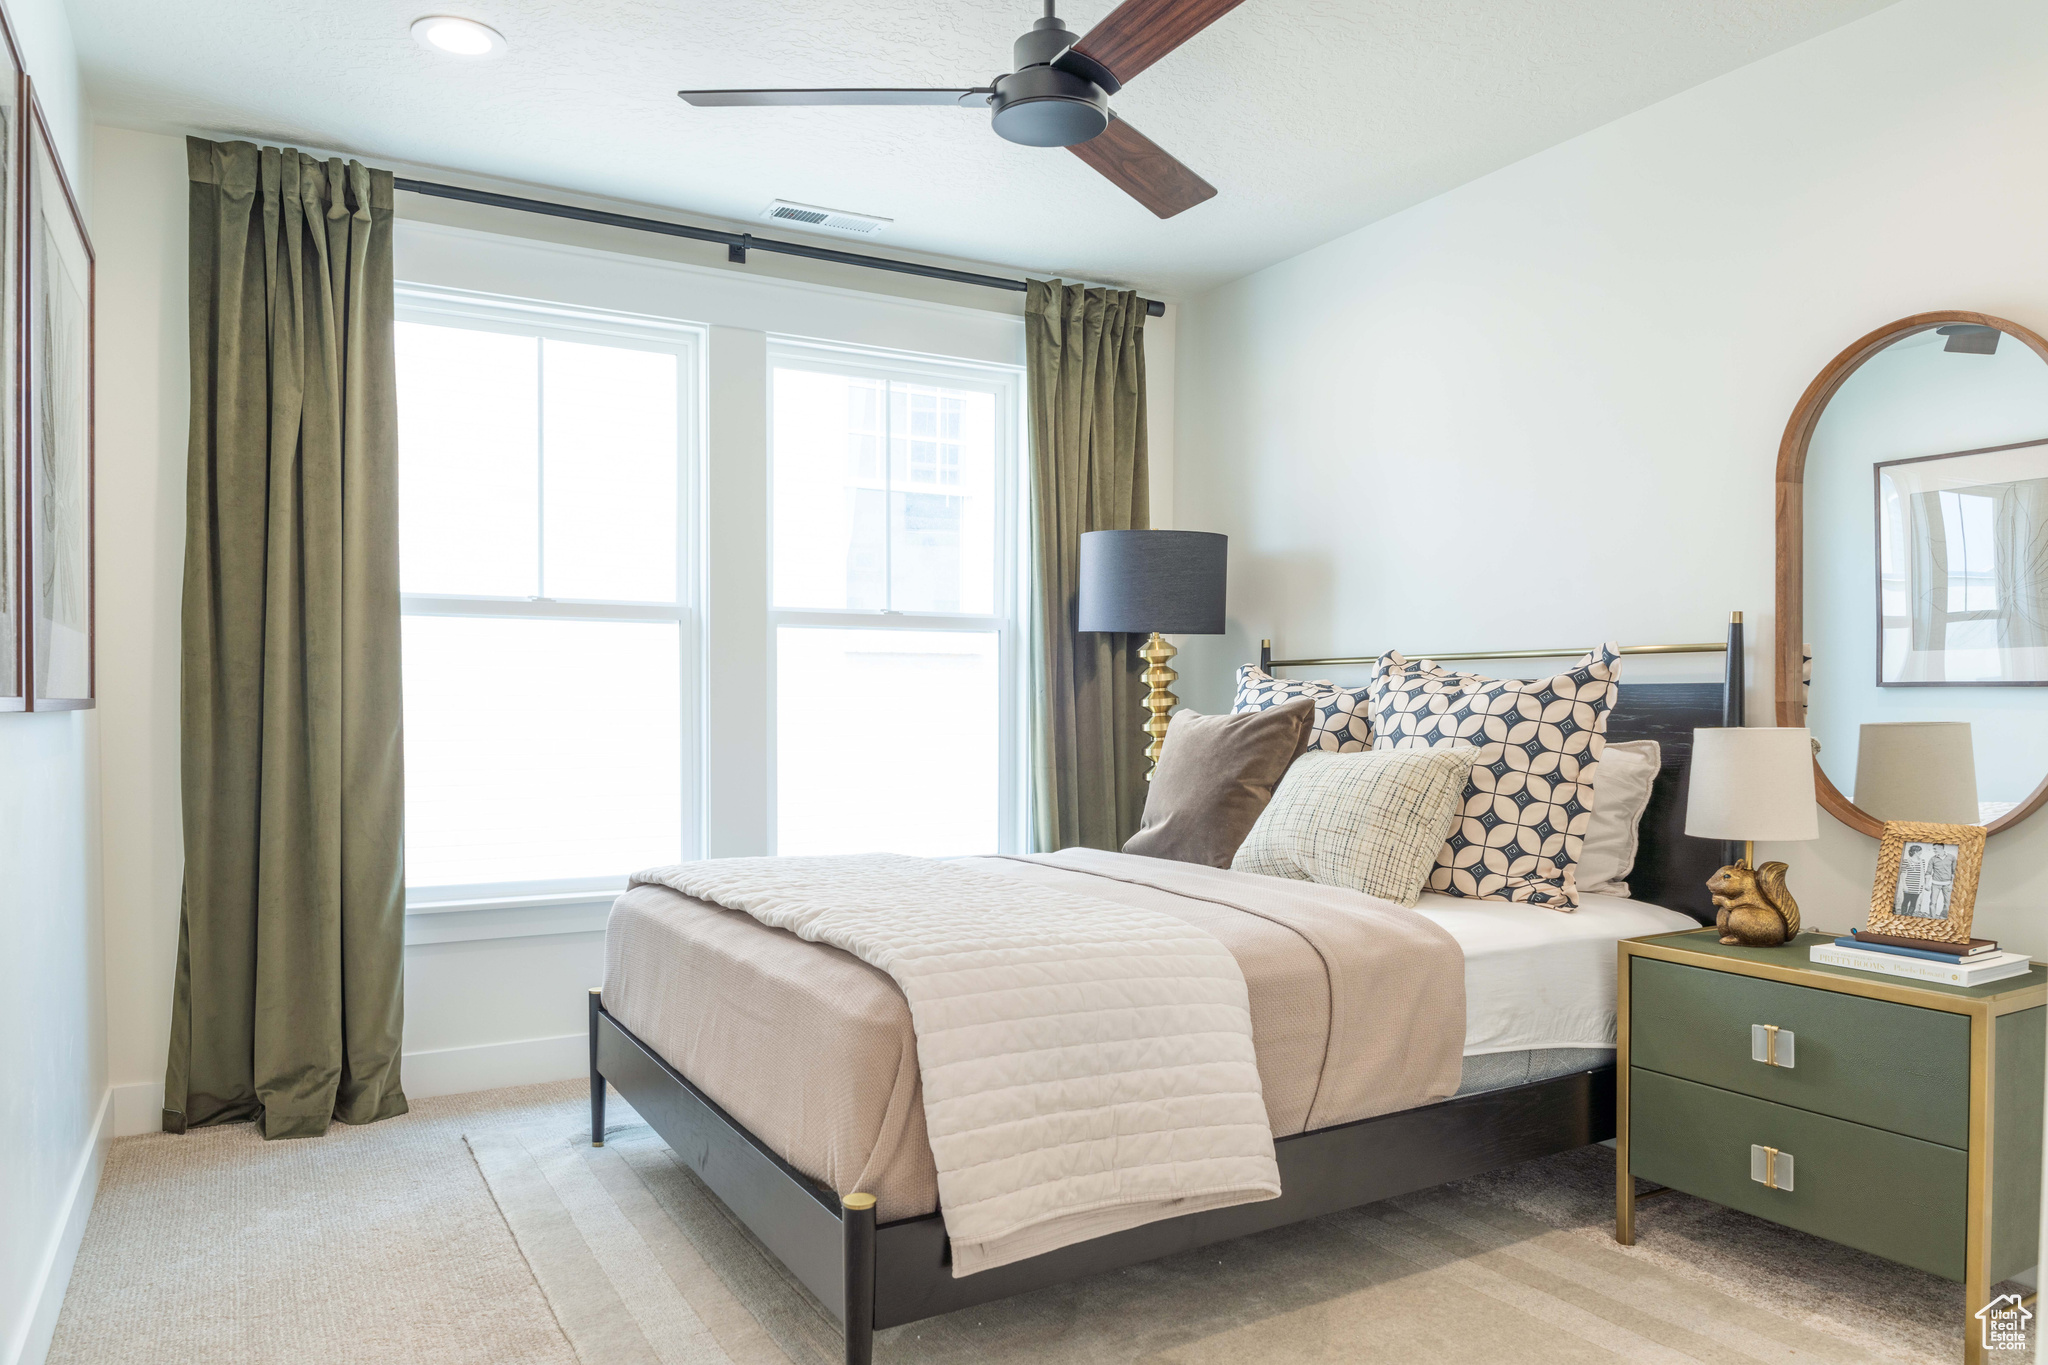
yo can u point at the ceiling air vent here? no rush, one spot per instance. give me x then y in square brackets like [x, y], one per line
[828, 220]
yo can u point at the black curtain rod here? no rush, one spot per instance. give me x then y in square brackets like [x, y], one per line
[737, 244]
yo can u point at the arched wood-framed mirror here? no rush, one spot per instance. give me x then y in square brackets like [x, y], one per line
[1917, 475]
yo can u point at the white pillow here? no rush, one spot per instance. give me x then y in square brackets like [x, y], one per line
[1621, 792]
[1371, 821]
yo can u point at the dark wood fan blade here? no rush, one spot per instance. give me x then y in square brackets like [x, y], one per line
[1143, 169]
[1138, 33]
[720, 99]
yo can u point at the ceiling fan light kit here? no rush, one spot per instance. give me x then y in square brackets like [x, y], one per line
[1042, 105]
[1057, 95]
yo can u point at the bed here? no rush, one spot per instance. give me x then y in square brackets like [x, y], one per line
[821, 1151]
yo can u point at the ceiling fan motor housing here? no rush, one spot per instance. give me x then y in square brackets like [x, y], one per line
[1040, 105]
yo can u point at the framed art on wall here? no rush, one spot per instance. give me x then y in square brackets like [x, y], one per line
[13, 556]
[57, 435]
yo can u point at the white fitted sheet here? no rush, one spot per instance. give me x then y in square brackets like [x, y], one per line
[1536, 978]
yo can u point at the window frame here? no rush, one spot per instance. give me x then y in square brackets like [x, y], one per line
[1008, 622]
[439, 306]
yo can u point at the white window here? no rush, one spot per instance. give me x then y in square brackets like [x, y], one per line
[548, 502]
[897, 526]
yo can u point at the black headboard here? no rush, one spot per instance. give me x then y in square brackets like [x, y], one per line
[1671, 867]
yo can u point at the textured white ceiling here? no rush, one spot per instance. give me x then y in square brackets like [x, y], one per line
[1312, 117]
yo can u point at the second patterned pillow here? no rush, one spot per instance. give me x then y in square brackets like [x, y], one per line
[1530, 799]
[1341, 724]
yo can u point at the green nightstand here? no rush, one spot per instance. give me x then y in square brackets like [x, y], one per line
[1896, 1116]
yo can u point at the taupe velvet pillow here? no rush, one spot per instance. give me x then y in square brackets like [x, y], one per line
[1215, 776]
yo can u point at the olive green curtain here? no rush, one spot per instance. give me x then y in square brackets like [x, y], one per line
[1084, 353]
[289, 994]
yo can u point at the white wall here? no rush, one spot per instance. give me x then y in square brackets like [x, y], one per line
[52, 1021]
[493, 997]
[52, 1005]
[143, 405]
[42, 30]
[1545, 407]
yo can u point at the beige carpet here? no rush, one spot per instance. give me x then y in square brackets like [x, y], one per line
[401, 1242]
[642, 1265]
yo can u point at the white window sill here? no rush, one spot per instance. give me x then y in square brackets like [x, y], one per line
[606, 895]
[562, 912]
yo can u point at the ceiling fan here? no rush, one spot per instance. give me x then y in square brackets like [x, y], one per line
[1058, 95]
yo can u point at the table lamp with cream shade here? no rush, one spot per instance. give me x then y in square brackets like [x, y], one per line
[1153, 583]
[1924, 770]
[1747, 784]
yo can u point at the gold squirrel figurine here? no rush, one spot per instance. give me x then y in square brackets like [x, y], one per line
[1753, 905]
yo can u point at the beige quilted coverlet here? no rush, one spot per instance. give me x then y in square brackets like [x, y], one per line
[1353, 1006]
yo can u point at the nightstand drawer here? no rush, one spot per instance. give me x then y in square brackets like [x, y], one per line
[1893, 1196]
[1896, 1067]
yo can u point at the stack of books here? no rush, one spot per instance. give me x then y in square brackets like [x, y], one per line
[1922, 959]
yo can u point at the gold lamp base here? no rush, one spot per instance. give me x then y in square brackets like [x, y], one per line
[1752, 905]
[1159, 701]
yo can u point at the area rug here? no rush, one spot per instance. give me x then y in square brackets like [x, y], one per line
[640, 1263]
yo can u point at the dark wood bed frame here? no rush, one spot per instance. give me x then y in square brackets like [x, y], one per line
[881, 1275]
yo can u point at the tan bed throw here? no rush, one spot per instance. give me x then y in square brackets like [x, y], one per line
[1355, 1007]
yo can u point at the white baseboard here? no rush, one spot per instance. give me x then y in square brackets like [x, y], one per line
[31, 1344]
[139, 1108]
[529, 1061]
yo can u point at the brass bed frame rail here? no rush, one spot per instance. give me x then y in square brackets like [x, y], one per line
[1732, 646]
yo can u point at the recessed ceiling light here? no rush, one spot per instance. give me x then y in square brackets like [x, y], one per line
[462, 37]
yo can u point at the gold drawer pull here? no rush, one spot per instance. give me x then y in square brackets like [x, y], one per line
[1770, 1167]
[1771, 1045]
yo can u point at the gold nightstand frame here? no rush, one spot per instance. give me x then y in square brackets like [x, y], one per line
[1983, 1011]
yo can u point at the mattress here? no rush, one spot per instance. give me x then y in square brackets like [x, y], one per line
[1498, 1070]
[1541, 979]
[720, 996]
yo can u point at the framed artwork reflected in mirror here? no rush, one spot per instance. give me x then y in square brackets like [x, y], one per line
[57, 434]
[1963, 568]
[14, 627]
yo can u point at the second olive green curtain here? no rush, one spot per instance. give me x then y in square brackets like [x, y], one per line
[1085, 360]
[289, 993]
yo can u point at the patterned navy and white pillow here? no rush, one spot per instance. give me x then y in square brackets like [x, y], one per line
[1343, 719]
[1529, 801]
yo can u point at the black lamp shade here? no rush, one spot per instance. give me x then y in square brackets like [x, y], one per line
[1144, 581]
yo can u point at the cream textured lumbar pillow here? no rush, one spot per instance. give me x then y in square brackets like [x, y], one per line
[1372, 821]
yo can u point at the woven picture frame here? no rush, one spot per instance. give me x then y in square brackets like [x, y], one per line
[1954, 924]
